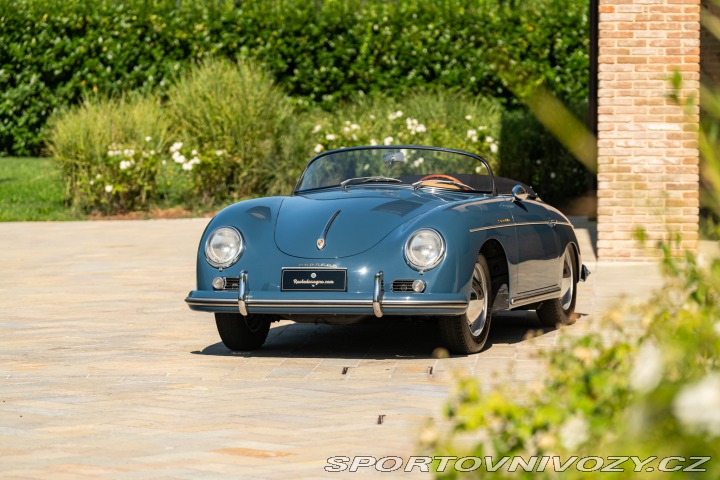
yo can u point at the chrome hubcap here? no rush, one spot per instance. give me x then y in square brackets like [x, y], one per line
[478, 306]
[568, 282]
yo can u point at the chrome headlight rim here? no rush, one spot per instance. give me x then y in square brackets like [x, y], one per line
[235, 257]
[430, 266]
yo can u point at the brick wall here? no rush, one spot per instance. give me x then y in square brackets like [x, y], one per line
[648, 171]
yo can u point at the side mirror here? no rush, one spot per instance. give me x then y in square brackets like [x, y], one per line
[519, 194]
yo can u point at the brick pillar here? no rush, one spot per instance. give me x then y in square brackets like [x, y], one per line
[648, 173]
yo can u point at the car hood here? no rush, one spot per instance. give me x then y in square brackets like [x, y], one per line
[366, 216]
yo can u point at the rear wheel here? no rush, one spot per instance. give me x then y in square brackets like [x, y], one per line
[468, 333]
[561, 311]
[242, 333]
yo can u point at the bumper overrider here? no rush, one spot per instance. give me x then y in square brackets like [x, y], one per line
[246, 302]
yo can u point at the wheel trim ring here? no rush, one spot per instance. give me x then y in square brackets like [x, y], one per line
[567, 288]
[478, 307]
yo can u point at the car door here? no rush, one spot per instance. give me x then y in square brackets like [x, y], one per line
[537, 247]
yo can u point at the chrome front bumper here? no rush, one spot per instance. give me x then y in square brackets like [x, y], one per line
[246, 302]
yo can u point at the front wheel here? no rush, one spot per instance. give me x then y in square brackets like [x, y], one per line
[561, 311]
[242, 333]
[468, 333]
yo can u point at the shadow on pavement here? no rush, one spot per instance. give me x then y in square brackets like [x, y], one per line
[378, 340]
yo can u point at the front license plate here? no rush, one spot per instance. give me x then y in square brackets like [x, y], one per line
[305, 279]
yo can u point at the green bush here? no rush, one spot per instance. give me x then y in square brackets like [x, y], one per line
[52, 53]
[109, 151]
[234, 114]
[530, 154]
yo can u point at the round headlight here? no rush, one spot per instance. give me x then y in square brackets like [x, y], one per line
[223, 247]
[424, 249]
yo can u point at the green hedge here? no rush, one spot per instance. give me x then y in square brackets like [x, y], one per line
[51, 53]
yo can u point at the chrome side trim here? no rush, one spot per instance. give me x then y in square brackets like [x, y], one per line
[242, 293]
[545, 294]
[377, 295]
[321, 240]
[524, 224]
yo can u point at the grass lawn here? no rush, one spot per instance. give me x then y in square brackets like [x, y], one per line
[32, 189]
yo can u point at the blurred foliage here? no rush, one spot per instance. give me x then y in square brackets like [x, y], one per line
[54, 53]
[612, 392]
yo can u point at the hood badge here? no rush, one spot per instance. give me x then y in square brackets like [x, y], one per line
[321, 241]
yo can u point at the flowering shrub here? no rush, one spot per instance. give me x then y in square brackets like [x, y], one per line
[125, 181]
[449, 120]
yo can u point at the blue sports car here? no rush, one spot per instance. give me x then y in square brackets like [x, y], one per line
[389, 232]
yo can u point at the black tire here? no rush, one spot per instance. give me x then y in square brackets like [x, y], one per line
[467, 333]
[561, 311]
[240, 333]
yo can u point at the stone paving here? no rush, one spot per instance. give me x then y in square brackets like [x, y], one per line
[105, 373]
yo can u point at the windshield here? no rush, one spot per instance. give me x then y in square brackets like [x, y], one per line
[420, 167]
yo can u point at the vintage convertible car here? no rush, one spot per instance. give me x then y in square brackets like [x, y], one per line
[388, 232]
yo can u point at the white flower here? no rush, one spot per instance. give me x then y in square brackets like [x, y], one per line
[372, 117]
[319, 148]
[697, 406]
[148, 138]
[478, 169]
[108, 188]
[92, 182]
[187, 166]
[574, 432]
[373, 141]
[354, 126]
[399, 113]
[388, 140]
[538, 161]
[194, 153]
[494, 148]
[489, 140]
[125, 164]
[395, 115]
[647, 368]
[418, 162]
[219, 153]
[128, 152]
[330, 137]
[346, 129]
[194, 161]
[716, 327]
[472, 133]
[317, 128]
[421, 128]
[176, 147]
[178, 157]
[468, 117]
[98, 176]
[111, 153]
[366, 167]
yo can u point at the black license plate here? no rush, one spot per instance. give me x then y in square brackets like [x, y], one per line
[305, 279]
